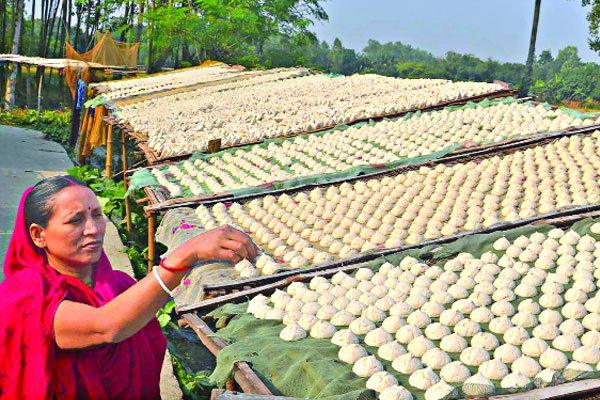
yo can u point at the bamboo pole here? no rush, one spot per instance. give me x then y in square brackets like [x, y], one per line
[86, 118]
[109, 151]
[85, 129]
[151, 223]
[39, 97]
[244, 375]
[125, 181]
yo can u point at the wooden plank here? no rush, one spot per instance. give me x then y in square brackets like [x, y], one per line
[218, 394]
[59, 63]
[229, 298]
[151, 241]
[242, 294]
[109, 152]
[242, 373]
[579, 388]
[125, 182]
[185, 201]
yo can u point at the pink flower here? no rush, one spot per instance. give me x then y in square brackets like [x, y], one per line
[187, 282]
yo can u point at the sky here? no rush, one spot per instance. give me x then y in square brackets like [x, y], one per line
[497, 29]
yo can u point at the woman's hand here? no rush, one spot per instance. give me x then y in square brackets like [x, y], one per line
[222, 243]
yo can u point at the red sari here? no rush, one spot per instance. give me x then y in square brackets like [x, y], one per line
[32, 366]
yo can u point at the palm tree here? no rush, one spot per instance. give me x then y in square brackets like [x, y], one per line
[531, 55]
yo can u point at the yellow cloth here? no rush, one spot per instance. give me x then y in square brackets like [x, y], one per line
[96, 135]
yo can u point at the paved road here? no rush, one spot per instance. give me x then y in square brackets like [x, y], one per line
[25, 158]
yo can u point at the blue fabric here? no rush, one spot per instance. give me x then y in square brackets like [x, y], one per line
[81, 94]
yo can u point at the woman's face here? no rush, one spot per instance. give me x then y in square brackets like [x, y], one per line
[75, 232]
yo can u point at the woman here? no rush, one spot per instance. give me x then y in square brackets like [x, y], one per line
[71, 327]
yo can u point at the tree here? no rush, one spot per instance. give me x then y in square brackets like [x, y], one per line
[171, 28]
[545, 57]
[237, 30]
[531, 55]
[12, 84]
[341, 60]
[593, 18]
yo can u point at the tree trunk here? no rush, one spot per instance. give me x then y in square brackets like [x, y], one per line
[13, 23]
[158, 61]
[69, 15]
[87, 25]
[79, 7]
[195, 44]
[175, 53]
[12, 84]
[3, 68]
[2, 39]
[51, 30]
[28, 83]
[32, 34]
[96, 22]
[58, 32]
[140, 24]
[41, 38]
[185, 53]
[63, 31]
[149, 68]
[63, 37]
[128, 9]
[530, 57]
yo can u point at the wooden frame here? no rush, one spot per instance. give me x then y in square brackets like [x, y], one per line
[589, 388]
[242, 373]
[218, 394]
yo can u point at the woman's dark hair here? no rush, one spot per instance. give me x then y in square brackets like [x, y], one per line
[38, 207]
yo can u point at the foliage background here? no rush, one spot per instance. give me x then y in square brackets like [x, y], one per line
[271, 33]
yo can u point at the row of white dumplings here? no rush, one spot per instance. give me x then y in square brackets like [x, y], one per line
[230, 79]
[303, 104]
[129, 87]
[338, 151]
[519, 349]
[343, 220]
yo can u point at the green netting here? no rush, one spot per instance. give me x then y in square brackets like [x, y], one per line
[579, 114]
[141, 179]
[310, 367]
[95, 102]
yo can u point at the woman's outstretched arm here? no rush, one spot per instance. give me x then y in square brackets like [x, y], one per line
[78, 325]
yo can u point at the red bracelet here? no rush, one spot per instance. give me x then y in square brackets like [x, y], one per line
[172, 269]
